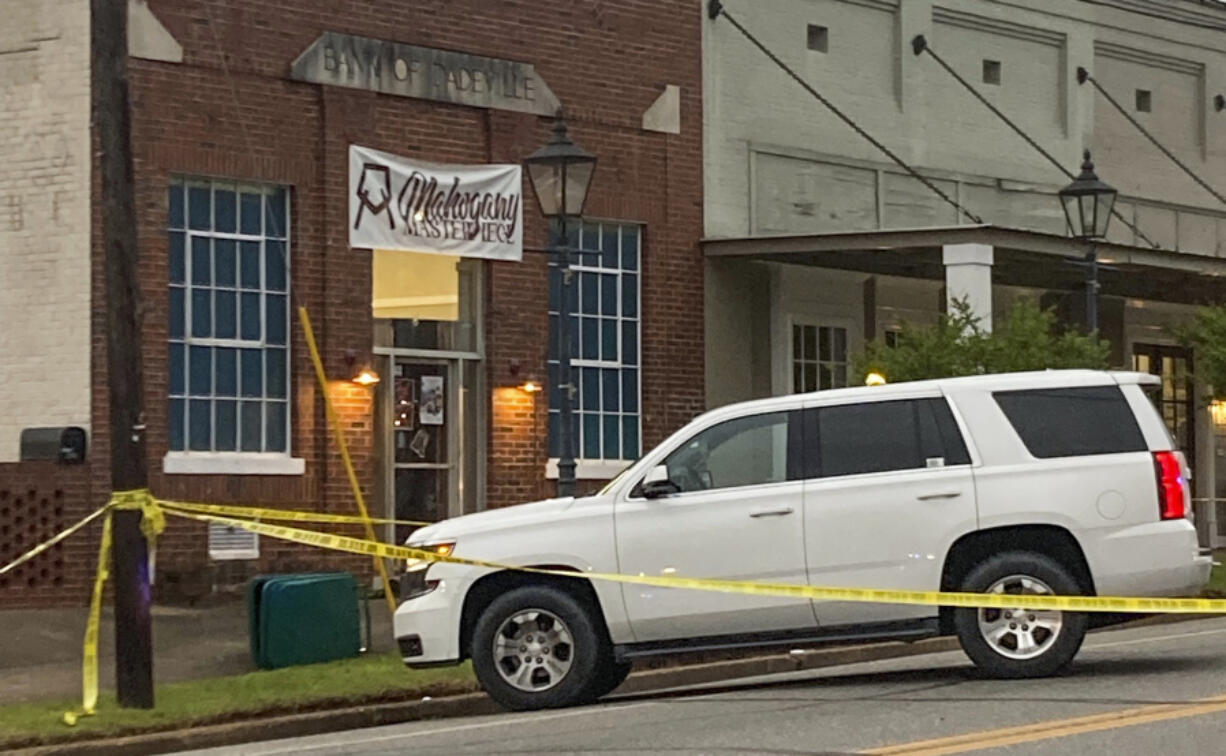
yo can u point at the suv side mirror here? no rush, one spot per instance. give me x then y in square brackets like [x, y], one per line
[658, 489]
[657, 485]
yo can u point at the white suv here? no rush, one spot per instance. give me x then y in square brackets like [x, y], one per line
[1060, 482]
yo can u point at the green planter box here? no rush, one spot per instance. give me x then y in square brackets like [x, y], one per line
[303, 619]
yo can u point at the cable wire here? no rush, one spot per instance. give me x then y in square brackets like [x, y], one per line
[920, 45]
[716, 9]
[1083, 76]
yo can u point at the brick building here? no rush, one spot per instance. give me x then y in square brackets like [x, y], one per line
[243, 189]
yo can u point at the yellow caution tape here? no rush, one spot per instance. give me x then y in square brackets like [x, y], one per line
[53, 541]
[813, 592]
[89, 657]
[285, 515]
[153, 522]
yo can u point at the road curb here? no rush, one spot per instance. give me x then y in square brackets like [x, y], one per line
[472, 704]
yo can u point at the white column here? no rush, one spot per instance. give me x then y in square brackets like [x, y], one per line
[968, 275]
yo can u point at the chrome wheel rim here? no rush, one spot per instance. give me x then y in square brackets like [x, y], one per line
[1018, 632]
[533, 650]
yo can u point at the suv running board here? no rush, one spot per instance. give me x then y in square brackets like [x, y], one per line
[909, 630]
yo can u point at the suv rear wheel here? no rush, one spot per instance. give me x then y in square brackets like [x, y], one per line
[1017, 641]
[538, 647]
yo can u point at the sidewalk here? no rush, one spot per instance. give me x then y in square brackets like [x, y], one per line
[40, 649]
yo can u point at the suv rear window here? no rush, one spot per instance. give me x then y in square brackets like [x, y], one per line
[1072, 422]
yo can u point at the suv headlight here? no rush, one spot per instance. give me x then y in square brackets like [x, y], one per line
[440, 548]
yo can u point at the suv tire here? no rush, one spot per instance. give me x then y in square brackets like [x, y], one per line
[538, 647]
[1017, 643]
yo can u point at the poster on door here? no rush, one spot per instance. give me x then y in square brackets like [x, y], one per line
[431, 400]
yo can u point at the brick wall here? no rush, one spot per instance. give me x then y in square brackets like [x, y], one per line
[228, 110]
[36, 502]
[44, 218]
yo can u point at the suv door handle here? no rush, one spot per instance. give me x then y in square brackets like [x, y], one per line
[945, 495]
[771, 512]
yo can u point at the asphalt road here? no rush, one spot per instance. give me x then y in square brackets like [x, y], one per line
[1158, 689]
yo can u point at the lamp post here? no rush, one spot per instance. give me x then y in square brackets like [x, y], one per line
[1087, 204]
[561, 173]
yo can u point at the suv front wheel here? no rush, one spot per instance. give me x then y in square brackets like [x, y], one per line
[538, 647]
[1018, 641]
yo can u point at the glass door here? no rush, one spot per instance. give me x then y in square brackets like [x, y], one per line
[423, 449]
[1176, 397]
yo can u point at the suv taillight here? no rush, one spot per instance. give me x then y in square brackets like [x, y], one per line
[1171, 484]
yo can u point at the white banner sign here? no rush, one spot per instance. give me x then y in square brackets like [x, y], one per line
[465, 210]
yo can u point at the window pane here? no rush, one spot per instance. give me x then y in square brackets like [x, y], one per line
[226, 370]
[199, 208]
[199, 424]
[589, 290]
[572, 294]
[808, 343]
[250, 427]
[798, 377]
[746, 451]
[250, 321]
[630, 343]
[249, 261]
[275, 216]
[591, 338]
[608, 245]
[201, 371]
[225, 210]
[274, 322]
[202, 260]
[630, 437]
[202, 313]
[630, 247]
[224, 262]
[867, 438]
[178, 312]
[608, 339]
[591, 435]
[574, 336]
[612, 437]
[630, 295]
[591, 238]
[630, 390]
[823, 348]
[274, 265]
[950, 440]
[178, 369]
[1072, 422]
[249, 209]
[175, 200]
[610, 390]
[252, 372]
[810, 376]
[225, 304]
[178, 257]
[274, 365]
[608, 295]
[174, 425]
[840, 344]
[590, 389]
[274, 427]
[225, 426]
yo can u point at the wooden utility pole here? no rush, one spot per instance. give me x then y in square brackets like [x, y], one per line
[130, 561]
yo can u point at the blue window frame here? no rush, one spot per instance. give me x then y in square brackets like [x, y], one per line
[229, 317]
[605, 338]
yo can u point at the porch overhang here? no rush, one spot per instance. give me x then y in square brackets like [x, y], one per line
[1022, 258]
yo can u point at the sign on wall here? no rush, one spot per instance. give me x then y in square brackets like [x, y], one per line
[464, 210]
[379, 65]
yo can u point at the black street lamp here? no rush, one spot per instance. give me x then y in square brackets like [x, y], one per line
[1088, 203]
[561, 173]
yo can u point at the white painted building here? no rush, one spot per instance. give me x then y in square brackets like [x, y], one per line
[817, 242]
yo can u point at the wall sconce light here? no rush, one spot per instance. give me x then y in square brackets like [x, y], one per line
[874, 379]
[362, 375]
[1219, 103]
[531, 387]
[530, 383]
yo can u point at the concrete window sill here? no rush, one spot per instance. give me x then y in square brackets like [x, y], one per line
[205, 463]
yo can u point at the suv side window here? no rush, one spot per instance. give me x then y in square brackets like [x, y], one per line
[747, 451]
[874, 437]
[1072, 422]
